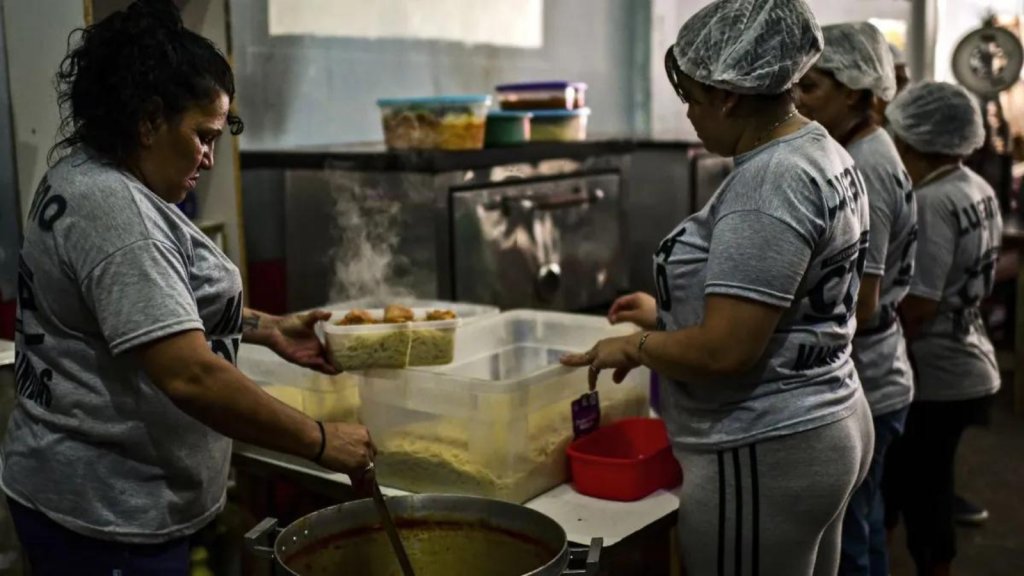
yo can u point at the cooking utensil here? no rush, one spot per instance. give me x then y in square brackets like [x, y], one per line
[388, 523]
[455, 536]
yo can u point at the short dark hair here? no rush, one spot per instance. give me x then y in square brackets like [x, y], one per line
[138, 63]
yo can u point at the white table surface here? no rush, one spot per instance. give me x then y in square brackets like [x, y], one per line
[582, 517]
[6, 352]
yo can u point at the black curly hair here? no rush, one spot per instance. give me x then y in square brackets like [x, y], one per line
[138, 63]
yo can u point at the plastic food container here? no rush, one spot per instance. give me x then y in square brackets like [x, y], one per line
[323, 397]
[581, 94]
[467, 312]
[559, 125]
[624, 461]
[498, 420]
[507, 128]
[540, 95]
[444, 122]
[389, 345]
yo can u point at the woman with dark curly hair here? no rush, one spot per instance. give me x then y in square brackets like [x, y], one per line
[130, 319]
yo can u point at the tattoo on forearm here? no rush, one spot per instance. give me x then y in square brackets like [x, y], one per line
[250, 323]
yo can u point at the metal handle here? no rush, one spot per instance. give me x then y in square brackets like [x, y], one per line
[579, 198]
[542, 202]
[255, 538]
[549, 281]
[591, 557]
[390, 529]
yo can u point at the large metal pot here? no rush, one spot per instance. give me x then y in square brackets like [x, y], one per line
[444, 534]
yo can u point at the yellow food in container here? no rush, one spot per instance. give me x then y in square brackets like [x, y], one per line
[323, 397]
[389, 345]
[443, 123]
[497, 421]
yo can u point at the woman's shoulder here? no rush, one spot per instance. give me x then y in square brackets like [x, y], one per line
[84, 176]
[795, 170]
[101, 205]
[961, 186]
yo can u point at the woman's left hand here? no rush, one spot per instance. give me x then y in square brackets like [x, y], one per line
[619, 354]
[295, 340]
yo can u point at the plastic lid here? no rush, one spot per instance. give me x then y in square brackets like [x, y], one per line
[528, 86]
[464, 99]
[561, 113]
[509, 114]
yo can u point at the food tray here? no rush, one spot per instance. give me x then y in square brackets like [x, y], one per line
[424, 343]
[323, 397]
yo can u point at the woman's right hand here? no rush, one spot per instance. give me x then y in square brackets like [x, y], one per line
[348, 448]
[638, 308]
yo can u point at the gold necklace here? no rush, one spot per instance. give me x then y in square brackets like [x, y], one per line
[938, 174]
[772, 129]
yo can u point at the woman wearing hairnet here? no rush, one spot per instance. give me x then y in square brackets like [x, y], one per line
[902, 73]
[937, 125]
[839, 92]
[753, 320]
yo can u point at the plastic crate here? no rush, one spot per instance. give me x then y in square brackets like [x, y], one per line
[497, 421]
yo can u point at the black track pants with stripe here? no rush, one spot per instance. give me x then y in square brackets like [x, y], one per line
[774, 508]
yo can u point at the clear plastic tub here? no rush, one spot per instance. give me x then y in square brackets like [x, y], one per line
[559, 125]
[399, 345]
[323, 397]
[467, 312]
[444, 122]
[496, 422]
[539, 95]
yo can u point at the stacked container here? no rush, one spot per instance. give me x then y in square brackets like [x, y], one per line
[556, 111]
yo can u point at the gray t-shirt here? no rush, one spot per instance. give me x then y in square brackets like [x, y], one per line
[958, 245]
[106, 266]
[789, 228]
[879, 350]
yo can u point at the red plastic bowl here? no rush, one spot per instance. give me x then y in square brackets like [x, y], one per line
[624, 461]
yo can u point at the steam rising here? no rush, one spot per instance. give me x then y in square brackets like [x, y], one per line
[368, 230]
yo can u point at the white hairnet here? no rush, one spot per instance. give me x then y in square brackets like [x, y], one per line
[857, 55]
[899, 57]
[749, 46]
[937, 118]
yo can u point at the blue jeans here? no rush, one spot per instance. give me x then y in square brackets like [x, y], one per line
[864, 550]
[53, 550]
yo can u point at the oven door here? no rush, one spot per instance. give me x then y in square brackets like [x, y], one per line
[551, 244]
